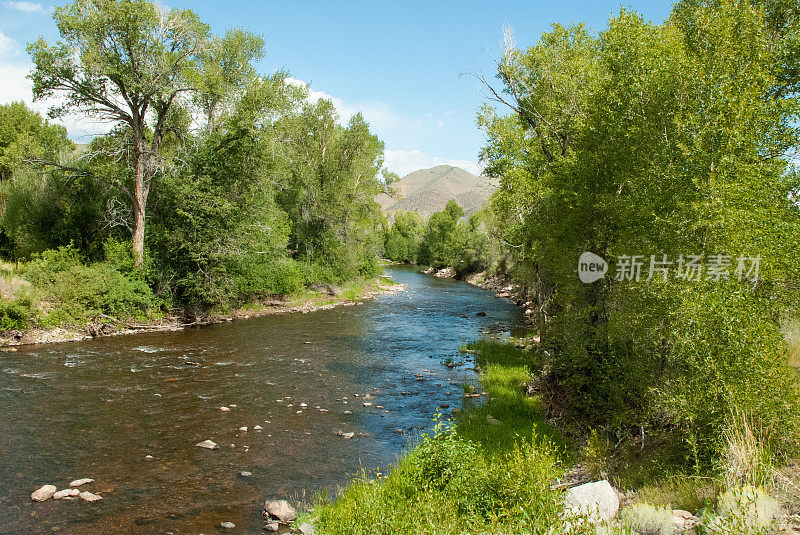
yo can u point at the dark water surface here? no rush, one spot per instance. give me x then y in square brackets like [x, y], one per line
[97, 408]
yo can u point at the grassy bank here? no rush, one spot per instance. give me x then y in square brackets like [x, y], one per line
[499, 466]
[57, 297]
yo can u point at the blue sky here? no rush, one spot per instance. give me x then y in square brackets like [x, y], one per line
[402, 64]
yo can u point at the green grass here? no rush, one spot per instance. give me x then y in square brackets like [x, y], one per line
[490, 471]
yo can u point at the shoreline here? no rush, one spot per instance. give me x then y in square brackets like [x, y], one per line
[382, 285]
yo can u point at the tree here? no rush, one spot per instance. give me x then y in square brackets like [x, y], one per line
[128, 62]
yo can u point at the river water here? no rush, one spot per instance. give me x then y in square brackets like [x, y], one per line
[97, 408]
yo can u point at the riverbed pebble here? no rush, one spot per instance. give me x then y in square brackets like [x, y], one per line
[148, 457]
[257, 428]
[65, 492]
[45, 492]
[245, 473]
[225, 409]
[279, 510]
[90, 496]
[207, 444]
[227, 525]
[243, 428]
[79, 482]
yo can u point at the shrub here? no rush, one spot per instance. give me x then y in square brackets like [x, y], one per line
[16, 313]
[744, 511]
[645, 519]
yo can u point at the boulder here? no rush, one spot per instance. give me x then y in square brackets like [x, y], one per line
[43, 493]
[447, 272]
[597, 502]
[280, 510]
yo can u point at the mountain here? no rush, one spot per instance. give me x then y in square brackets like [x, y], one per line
[428, 190]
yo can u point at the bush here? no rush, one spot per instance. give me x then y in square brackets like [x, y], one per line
[744, 511]
[16, 313]
[645, 519]
[81, 292]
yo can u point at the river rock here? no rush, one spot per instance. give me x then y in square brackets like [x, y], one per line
[271, 525]
[280, 510]
[79, 482]
[245, 473]
[306, 529]
[225, 409]
[65, 493]
[597, 501]
[227, 525]
[90, 496]
[257, 428]
[207, 444]
[243, 428]
[43, 493]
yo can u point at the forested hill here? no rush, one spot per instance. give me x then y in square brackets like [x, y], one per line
[428, 190]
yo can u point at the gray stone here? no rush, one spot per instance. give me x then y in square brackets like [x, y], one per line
[280, 510]
[271, 525]
[79, 482]
[306, 529]
[227, 525]
[245, 473]
[43, 493]
[597, 502]
[90, 496]
[207, 444]
[65, 493]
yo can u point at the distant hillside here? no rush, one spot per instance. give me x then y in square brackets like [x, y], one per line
[428, 190]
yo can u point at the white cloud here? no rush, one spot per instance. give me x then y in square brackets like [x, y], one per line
[27, 7]
[7, 44]
[404, 162]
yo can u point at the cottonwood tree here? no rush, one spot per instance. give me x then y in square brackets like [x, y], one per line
[128, 62]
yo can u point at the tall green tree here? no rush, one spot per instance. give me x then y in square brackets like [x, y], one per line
[128, 62]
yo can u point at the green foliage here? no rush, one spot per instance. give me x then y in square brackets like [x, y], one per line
[445, 485]
[25, 135]
[330, 192]
[77, 292]
[449, 241]
[16, 314]
[402, 240]
[656, 139]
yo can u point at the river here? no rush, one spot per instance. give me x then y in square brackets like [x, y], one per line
[98, 408]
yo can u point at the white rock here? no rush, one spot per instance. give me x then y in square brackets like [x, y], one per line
[257, 428]
[245, 473]
[227, 525]
[207, 444]
[243, 428]
[79, 482]
[597, 501]
[64, 493]
[90, 496]
[306, 529]
[272, 526]
[148, 457]
[224, 409]
[43, 493]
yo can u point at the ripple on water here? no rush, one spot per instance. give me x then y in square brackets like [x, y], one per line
[147, 349]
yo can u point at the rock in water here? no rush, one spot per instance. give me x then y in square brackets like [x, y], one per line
[43, 493]
[227, 525]
[280, 510]
[65, 493]
[598, 501]
[79, 482]
[207, 444]
[90, 496]
[271, 525]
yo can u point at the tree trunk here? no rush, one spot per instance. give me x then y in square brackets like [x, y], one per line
[139, 203]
